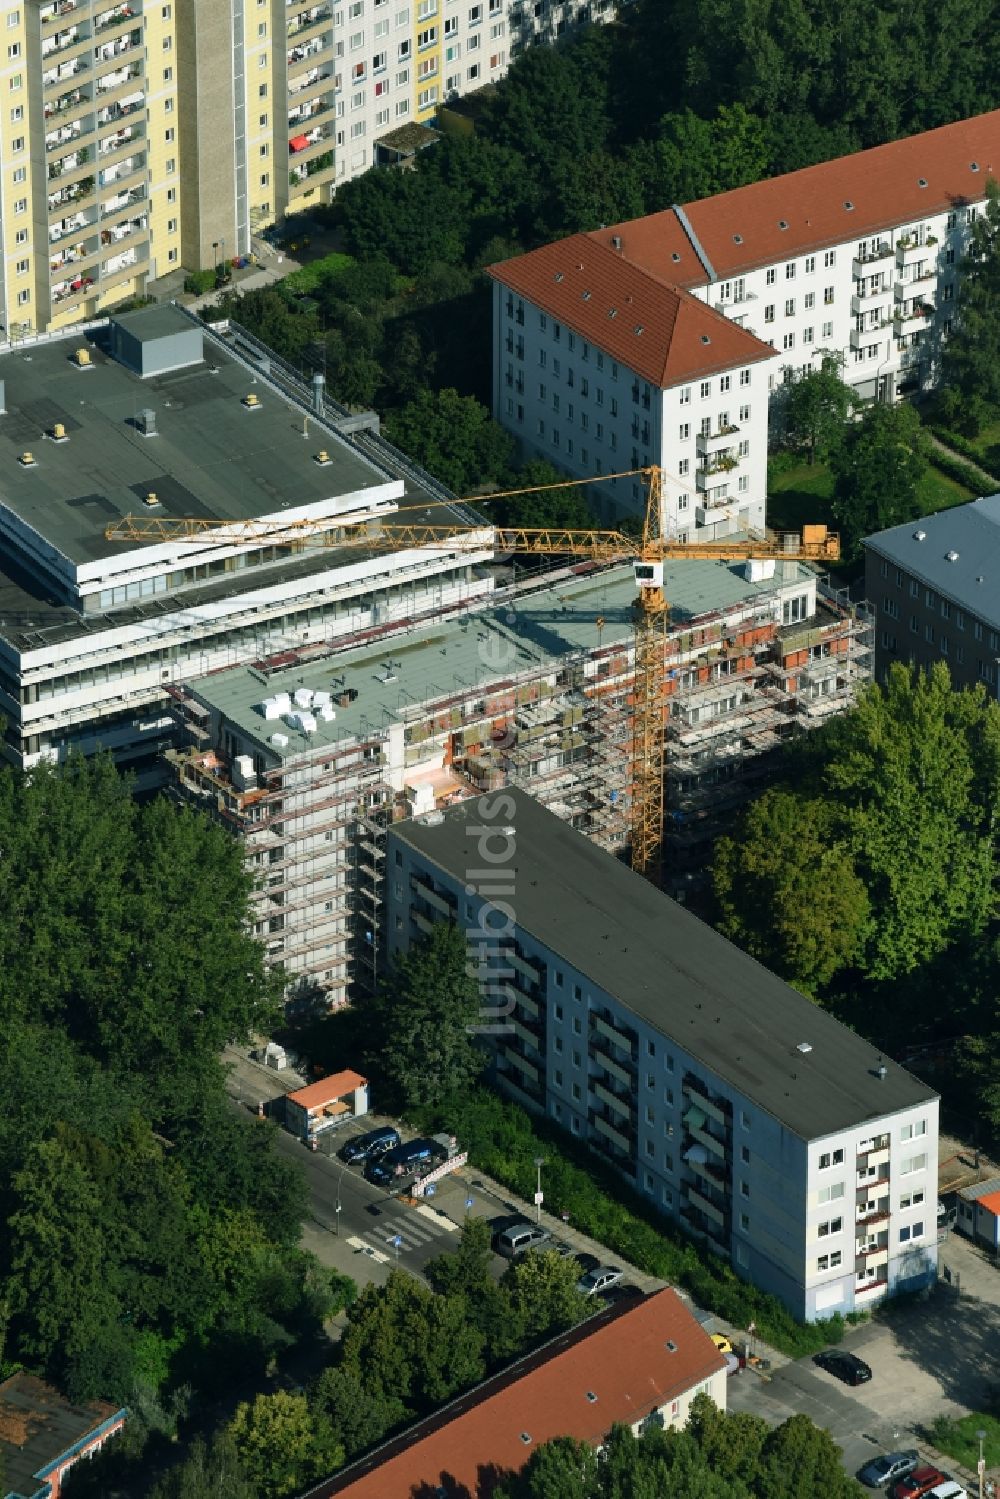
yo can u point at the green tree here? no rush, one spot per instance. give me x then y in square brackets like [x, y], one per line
[799, 1460]
[454, 437]
[565, 506]
[561, 1469]
[281, 1445]
[409, 1346]
[971, 360]
[212, 1470]
[699, 157]
[877, 472]
[426, 1011]
[359, 1416]
[788, 891]
[543, 1294]
[815, 408]
[729, 1443]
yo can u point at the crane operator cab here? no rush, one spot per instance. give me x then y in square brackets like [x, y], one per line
[648, 575]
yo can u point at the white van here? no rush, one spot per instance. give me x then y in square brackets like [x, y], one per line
[519, 1238]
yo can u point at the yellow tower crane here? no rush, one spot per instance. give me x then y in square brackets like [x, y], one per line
[648, 552]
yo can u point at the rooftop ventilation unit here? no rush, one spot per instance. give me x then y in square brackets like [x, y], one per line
[951, 556]
[881, 1072]
[805, 1047]
[616, 241]
[279, 740]
[145, 422]
[431, 819]
[252, 402]
[27, 460]
[848, 205]
[322, 459]
[58, 433]
[151, 499]
[82, 359]
[920, 535]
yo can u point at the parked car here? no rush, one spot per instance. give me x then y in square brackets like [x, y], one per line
[518, 1238]
[587, 1262]
[886, 1469]
[595, 1282]
[414, 1158]
[722, 1342]
[949, 1490]
[369, 1145]
[918, 1483]
[846, 1366]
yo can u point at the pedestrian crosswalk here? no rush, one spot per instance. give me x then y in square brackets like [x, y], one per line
[401, 1230]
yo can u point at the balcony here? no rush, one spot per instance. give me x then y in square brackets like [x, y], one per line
[62, 41]
[864, 1287]
[868, 1217]
[119, 232]
[874, 299]
[75, 258]
[876, 1183]
[876, 1143]
[78, 193]
[115, 82]
[613, 1067]
[531, 970]
[614, 1033]
[122, 140]
[112, 114]
[121, 203]
[528, 1037]
[57, 78]
[912, 320]
[49, 14]
[299, 117]
[421, 922]
[70, 168]
[120, 47]
[76, 290]
[714, 487]
[308, 80]
[124, 173]
[71, 225]
[614, 1101]
[301, 25]
[715, 1214]
[520, 1064]
[714, 444]
[862, 337]
[862, 265]
[306, 55]
[910, 252]
[305, 145]
[65, 136]
[69, 105]
[430, 895]
[610, 1131]
[718, 1109]
[118, 15]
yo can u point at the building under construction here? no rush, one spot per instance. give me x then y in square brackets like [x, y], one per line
[310, 756]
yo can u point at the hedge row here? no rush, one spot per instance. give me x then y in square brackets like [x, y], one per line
[503, 1140]
[965, 448]
[957, 469]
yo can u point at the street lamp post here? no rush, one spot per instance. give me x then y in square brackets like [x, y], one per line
[215, 256]
[981, 1466]
[539, 1163]
[338, 1206]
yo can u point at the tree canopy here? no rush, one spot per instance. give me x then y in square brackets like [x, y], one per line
[971, 358]
[877, 468]
[813, 408]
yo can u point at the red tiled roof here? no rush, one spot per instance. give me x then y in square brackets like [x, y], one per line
[637, 317]
[991, 1202]
[883, 185]
[328, 1088]
[622, 1357]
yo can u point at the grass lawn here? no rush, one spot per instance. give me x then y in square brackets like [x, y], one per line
[958, 1439]
[317, 271]
[938, 492]
[800, 496]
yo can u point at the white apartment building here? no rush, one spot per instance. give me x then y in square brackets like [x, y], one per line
[152, 413]
[602, 369]
[772, 1133]
[857, 257]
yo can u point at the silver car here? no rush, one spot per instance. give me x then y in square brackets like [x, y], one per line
[595, 1282]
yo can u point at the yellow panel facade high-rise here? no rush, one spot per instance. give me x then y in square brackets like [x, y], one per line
[140, 137]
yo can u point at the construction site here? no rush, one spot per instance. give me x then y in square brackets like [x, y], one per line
[309, 756]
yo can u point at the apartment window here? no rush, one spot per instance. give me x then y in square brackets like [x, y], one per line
[909, 1130]
[705, 389]
[828, 296]
[807, 335]
[769, 276]
[17, 114]
[168, 134]
[829, 1158]
[912, 1163]
[23, 266]
[788, 341]
[827, 330]
[21, 174]
[725, 383]
[427, 37]
[21, 237]
[810, 265]
[684, 395]
[769, 313]
[830, 258]
[14, 50]
[13, 19]
[168, 44]
[790, 307]
[833, 1193]
[745, 1154]
[23, 298]
[16, 80]
[402, 50]
[17, 144]
[744, 413]
[262, 28]
[171, 164]
[910, 1200]
[20, 205]
[171, 195]
[744, 1189]
[910, 1231]
[684, 431]
[831, 1226]
[168, 75]
[683, 467]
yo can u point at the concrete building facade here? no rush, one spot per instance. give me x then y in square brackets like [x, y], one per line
[533, 689]
[155, 414]
[857, 258]
[138, 136]
[776, 1136]
[933, 586]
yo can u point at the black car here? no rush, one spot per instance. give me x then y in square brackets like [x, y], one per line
[415, 1158]
[845, 1366]
[366, 1147]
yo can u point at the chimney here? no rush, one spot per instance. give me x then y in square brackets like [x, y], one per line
[616, 241]
[318, 396]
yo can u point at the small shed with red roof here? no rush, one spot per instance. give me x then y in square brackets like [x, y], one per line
[979, 1212]
[326, 1105]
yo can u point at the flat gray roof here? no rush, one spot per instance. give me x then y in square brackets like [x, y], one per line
[972, 577]
[676, 973]
[212, 458]
[538, 628]
[154, 322]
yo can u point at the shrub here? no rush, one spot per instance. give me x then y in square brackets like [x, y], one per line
[503, 1140]
[316, 273]
[957, 469]
[199, 282]
[962, 445]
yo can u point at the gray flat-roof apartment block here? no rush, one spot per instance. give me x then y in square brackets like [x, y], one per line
[935, 587]
[307, 758]
[155, 414]
[777, 1136]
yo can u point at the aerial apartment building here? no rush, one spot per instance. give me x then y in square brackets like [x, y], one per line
[155, 414]
[779, 1138]
[140, 136]
[935, 588]
[309, 758]
[662, 339]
